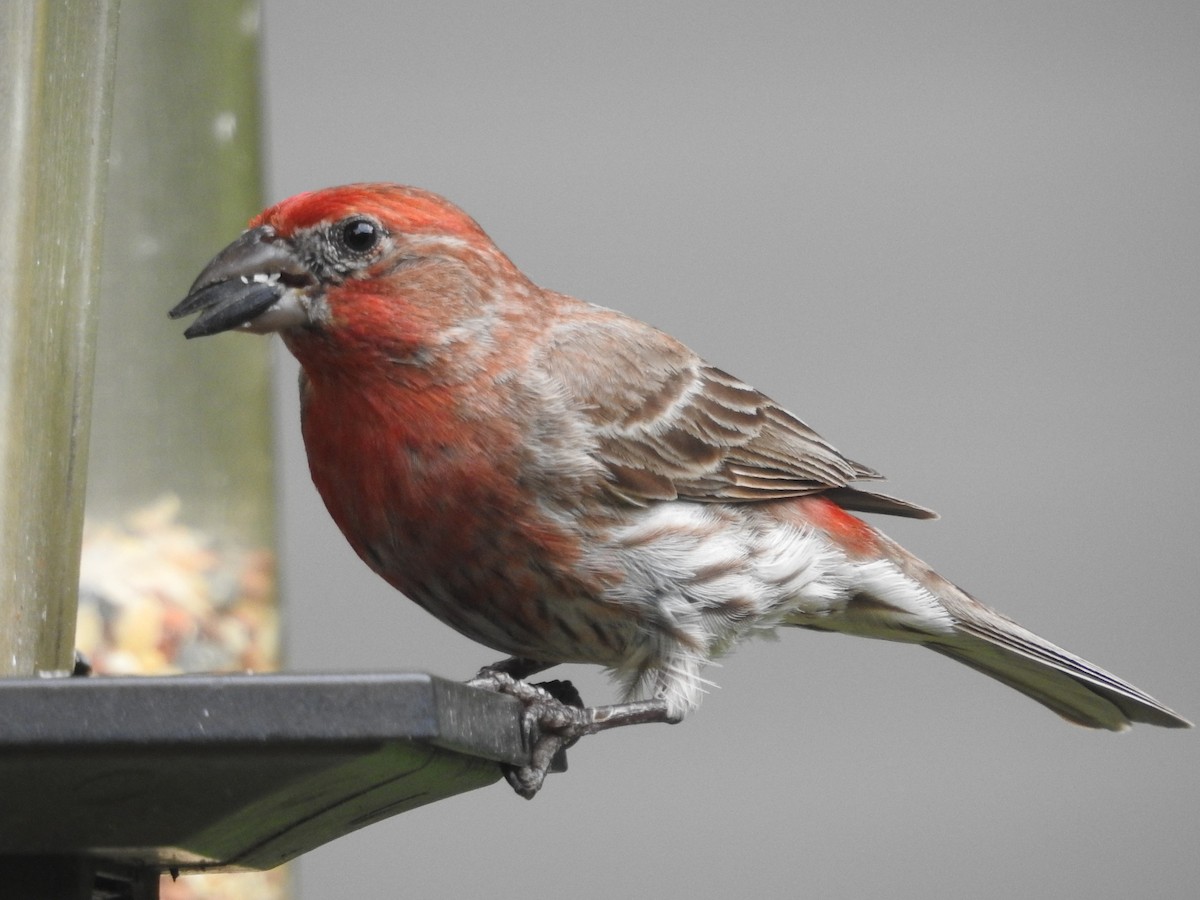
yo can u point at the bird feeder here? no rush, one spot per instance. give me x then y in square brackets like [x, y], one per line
[109, 780]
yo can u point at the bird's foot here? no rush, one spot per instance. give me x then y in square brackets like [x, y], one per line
[549, 721]
[555, 718]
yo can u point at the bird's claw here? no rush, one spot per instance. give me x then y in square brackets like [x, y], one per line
[555, 718]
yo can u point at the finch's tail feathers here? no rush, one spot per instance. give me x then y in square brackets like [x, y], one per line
[1071, 686]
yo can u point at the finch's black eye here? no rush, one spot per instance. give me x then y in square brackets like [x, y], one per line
[360, 235]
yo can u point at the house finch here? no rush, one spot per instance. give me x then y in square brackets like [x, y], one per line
[563, 483]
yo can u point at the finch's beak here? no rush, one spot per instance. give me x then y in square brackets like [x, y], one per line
[257, 284]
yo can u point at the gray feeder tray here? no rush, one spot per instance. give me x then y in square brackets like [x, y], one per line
[229, 772]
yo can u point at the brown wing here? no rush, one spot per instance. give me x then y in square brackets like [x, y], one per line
[671, 426]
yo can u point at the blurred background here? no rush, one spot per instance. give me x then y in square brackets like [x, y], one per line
[960, 240]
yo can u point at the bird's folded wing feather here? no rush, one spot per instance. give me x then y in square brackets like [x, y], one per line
[671, 426]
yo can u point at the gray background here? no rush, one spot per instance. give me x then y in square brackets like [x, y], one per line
[960, 239]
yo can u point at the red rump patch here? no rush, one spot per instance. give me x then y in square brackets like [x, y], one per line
[855, 535]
